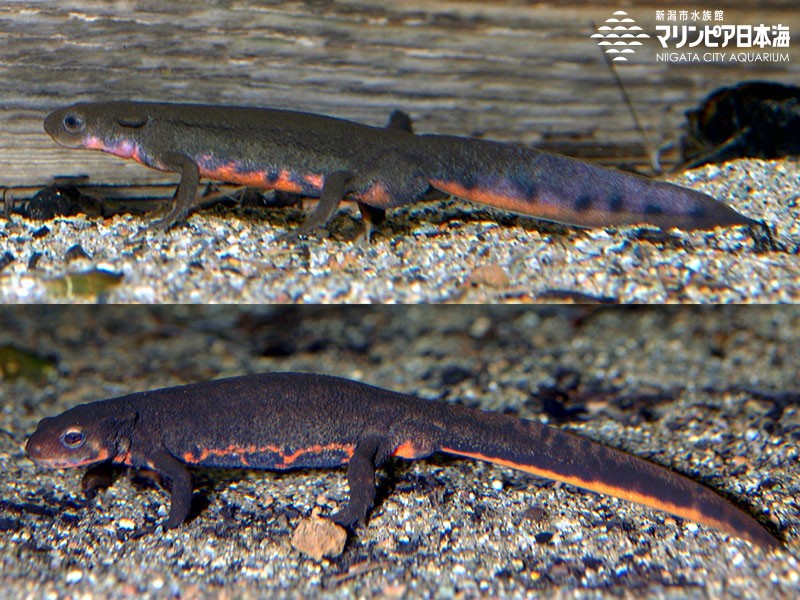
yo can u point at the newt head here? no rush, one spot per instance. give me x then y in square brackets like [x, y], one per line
[77, 438]
[112, 127]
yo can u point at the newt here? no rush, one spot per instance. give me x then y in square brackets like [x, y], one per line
[281, 421]
[379, 168]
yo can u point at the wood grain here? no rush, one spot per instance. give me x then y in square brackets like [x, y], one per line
[507, 70]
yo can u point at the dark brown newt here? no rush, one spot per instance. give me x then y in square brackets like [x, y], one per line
[333, 159]
[283, 421]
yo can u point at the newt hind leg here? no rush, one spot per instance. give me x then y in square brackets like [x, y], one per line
[335, 187]
[373, 218]
[368, 455]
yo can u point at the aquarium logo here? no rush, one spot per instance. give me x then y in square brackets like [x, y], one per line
[619, 34]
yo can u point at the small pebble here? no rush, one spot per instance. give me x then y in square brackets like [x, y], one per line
[73, 576]
[318, 537]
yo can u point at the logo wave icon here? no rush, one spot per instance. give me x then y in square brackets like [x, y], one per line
[619, 33]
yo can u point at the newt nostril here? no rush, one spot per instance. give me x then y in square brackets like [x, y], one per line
[33, 448]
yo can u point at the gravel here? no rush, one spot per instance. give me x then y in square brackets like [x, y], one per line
[448, 251]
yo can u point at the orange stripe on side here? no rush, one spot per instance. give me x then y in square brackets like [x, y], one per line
[618, 492]
[192, 458]
[242, 452]
[492, 198]
[288, 459]
[407, 450]
[315, 180]
[525, 206]
[123, 459]
[230, 174]
[259, 179]
[376, 195]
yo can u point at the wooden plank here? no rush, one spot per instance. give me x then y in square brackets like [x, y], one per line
[507, 70]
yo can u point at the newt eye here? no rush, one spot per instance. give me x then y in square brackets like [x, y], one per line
[73, 438]
[73, 123]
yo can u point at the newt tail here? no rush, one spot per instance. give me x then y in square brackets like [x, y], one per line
[557, 455]
[283, 421]
[562, 189]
